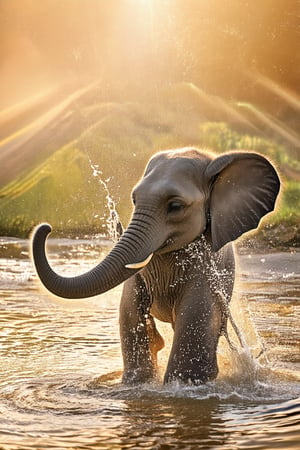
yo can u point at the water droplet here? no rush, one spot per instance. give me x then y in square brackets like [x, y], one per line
[112, 221]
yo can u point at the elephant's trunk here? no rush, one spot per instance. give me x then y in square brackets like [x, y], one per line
[128, 256]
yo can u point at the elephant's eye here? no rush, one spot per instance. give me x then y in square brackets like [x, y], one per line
[175, 206]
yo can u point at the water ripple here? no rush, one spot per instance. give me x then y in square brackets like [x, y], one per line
[59, 366]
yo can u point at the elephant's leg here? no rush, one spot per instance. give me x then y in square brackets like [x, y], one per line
[140, 340]
[193, 357]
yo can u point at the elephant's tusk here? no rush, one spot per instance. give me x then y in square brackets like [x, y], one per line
[139, 265]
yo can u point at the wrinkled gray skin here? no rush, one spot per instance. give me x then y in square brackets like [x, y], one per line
[189, 206]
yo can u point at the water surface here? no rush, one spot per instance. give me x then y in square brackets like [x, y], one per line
[60, 365]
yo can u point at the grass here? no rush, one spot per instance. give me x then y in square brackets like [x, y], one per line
[118, 139]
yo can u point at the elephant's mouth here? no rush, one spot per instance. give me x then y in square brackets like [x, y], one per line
[165, 247]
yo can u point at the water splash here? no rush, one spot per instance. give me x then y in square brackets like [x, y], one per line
[113, 224]
[242, 357]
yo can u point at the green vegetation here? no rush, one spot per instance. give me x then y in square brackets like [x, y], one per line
[65, 189]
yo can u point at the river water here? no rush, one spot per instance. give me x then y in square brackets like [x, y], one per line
[60, 365]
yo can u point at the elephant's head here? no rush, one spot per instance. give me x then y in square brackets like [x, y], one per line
[183, 194]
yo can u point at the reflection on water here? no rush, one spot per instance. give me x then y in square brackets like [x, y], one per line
[60, 360]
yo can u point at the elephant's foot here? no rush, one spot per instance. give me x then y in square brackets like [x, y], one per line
[139, 376]
[142, 368]
[195, 376]
[146, 371]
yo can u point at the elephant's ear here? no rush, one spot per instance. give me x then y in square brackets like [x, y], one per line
[244, 189]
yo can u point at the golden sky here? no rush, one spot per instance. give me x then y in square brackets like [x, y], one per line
[216, 44]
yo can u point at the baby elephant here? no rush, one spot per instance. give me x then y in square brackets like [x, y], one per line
[176, 257]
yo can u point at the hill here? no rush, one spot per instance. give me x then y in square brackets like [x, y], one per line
[68, 154]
